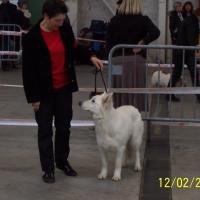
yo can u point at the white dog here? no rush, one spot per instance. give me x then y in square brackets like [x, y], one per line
[120, 129]
[160, 79]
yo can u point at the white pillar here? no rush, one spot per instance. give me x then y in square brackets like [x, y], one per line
[110, 6]
[162, 19]
[73, 16]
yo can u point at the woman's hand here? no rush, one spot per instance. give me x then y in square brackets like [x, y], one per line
[97, 62]
[36, 106]
[137, 50]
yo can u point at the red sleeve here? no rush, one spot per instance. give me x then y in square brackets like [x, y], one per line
[75, 44]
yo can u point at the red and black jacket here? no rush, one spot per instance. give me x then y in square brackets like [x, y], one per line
[36, 63]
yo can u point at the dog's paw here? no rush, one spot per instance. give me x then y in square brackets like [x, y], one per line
[116, 178]
[101, 176]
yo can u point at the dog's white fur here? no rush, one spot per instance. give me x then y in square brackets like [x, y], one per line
[120, 129]
[160, 79]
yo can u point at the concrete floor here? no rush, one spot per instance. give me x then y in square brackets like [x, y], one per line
[20, 174]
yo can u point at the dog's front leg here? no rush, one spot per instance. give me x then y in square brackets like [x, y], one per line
[118, 164]
[104, 168]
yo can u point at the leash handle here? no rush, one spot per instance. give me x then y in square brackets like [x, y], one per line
[95, 81]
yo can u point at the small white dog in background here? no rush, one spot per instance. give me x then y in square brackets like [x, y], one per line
[118, 129]
[160, 79]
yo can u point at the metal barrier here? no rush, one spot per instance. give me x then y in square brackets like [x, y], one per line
[10, 42]
[159, 106]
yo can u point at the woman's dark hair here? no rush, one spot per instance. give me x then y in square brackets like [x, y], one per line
[188, 3]
[119, 2]
[54, 7]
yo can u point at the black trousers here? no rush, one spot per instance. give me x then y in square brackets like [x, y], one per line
[57, 106]
[189, 59]
[174, 52]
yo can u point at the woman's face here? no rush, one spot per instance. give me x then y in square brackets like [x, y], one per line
[55, 22]
[188, 8]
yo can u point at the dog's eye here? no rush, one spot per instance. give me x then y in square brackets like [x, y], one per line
[93, 101]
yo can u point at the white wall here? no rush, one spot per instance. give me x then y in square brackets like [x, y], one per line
[162, 20]
[104, 10]
[92, 9]
[12, 1]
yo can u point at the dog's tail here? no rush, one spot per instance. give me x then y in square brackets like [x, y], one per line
[138, 130]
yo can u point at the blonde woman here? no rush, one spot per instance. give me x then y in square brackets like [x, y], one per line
[130, 26]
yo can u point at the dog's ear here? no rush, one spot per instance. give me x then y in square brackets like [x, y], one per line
[110, 94]
[104, 94]
[107, 98]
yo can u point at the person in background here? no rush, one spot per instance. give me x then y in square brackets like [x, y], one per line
[197, 14]
[23, 6]
[7, 16]
[130, 26]
[23, 15]
[49, 80]
[175, 19]
[188, 34]
[7, 12]
[22, 19]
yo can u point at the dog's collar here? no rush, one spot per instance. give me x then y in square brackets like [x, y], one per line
[95, 117]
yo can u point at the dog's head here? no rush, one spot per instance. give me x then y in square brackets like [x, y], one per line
[97, 104]
[160, 79]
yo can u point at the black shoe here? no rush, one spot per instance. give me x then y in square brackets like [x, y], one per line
[67, 169]
[198, 99]
[48, 177]
[173, 98]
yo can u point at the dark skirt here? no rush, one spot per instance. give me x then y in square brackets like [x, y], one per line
[129, 72]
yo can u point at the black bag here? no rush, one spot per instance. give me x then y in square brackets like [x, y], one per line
[97, 27]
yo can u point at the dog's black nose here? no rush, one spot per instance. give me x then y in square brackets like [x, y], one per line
[80, 103]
